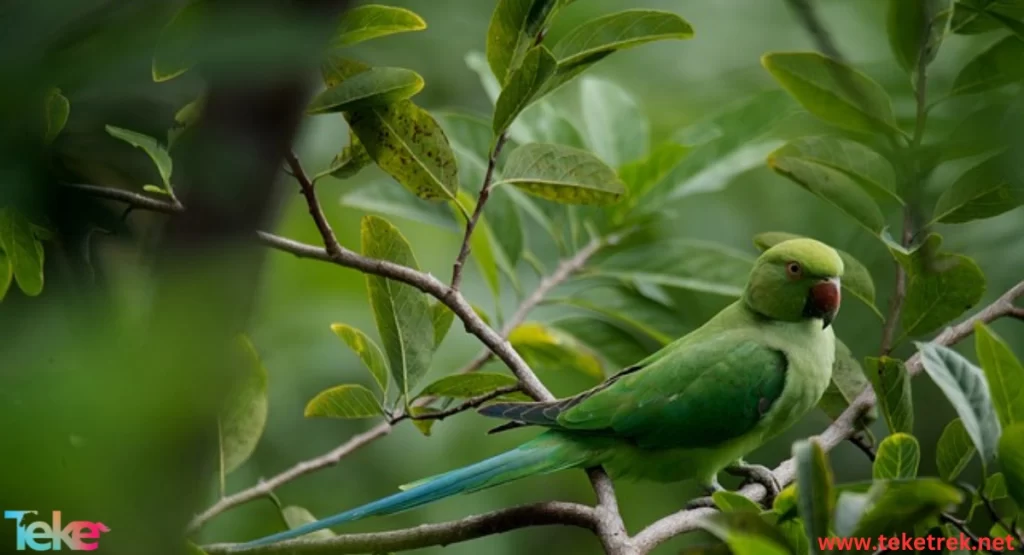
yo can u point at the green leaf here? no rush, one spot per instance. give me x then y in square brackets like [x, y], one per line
[408, 144]
[996, 67]
[349, 161]
[644, 175]
[865, 166]
[965, 386]
[57, 110]
[401, 311]
[514, 27]
[628, 310]
[548, 348]
[193, 549]
[954, 450]
[896, 506]
[1011, 460]
[367, 351]
[729, 501]
[298, 516]
[856, 279]
[615, 127]
[832, 186]
[833, 91]
[847, 383]
[687, 264]
[244, 414]
[746, 533]
[151, 147]
[371, 21]
[940, 288]
[972, 17]
[344, 401]
[814, 489]
[995, 486]
[176, 47]
[23, 254]
[720, 148]
[1003, 372]
[619, 344]
[424, 425]
[524, 84]
[596, 39]
[898, 458]
[336, 69]
[442, 316]
[916, 29]
[374, 87]
[562, 174]
[465, 386]
[600, 37]
[184, 119]
[981, 192]
[889, 378]
[6, 272]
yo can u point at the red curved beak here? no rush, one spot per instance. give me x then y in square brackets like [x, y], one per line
[823, 301]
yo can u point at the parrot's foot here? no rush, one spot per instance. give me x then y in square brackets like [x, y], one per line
[757, 474]
[706, 502]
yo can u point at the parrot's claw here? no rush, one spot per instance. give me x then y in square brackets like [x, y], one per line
[701, 503]
[706, 502]
[757, 474]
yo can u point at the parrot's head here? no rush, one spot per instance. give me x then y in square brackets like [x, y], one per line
[796, 280]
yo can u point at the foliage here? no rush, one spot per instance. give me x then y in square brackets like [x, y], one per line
[543, 174]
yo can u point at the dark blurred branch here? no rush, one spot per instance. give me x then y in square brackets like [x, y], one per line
[446, 533]
[485, 192]
[315, 211]
[132, 199]
[840, 430]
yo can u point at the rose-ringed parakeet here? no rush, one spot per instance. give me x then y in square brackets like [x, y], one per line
[688, 411]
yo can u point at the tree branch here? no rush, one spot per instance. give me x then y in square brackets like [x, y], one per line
[485, 192]
[309, 192]
[841, 429]
[265, 487]
[446, 533]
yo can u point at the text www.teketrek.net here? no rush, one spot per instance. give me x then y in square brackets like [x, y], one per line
[911, 543]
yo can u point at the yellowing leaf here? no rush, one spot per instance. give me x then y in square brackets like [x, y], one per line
[344, 401]
[464, 386]
[367, 351]
[549, 348]
[374, 87]
[299, 516]
[371, 21]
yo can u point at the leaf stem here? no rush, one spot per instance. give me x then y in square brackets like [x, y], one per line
[471, 403]
[485, 192]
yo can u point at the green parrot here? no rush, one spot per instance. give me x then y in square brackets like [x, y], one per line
[688, 411]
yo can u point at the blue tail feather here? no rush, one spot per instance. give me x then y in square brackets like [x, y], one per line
[526, 460]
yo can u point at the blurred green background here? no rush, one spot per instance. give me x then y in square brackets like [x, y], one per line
[676, 84]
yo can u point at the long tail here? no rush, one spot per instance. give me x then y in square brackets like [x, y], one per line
[547, 453]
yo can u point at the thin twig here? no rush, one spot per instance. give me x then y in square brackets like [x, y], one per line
[446, 533]
[471, 403]
[990, 508]
[265, 487]
[315, 210]
[900, 290]
[132, 199]
[485, 193]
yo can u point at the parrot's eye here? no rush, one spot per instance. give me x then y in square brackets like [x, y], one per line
[794, 270]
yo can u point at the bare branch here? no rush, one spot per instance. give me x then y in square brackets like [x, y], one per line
[309, 191]
[131, 198]
[485, 192]
[264, 488]
[839, 431]
[446, 533]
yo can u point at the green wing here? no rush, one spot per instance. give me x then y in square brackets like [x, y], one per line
[694, 396]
